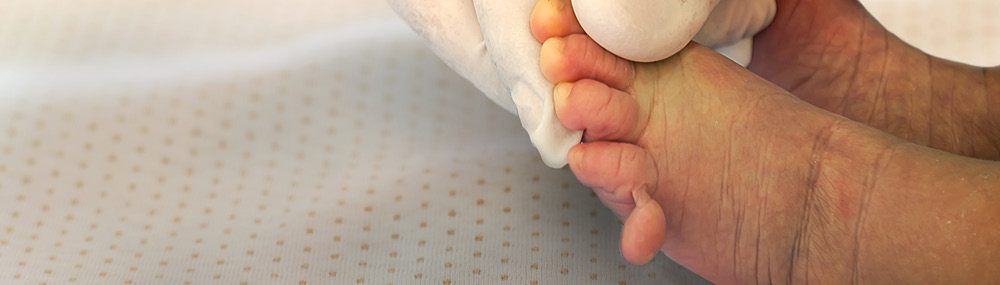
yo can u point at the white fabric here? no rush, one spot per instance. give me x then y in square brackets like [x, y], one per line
[306, 142]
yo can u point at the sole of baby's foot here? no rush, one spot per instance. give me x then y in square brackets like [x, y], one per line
[730, 157]
[835, 55]
[706, 141]
[755, 185]
[628, 191]
[747, 183]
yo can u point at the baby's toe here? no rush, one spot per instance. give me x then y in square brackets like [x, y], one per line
[623, 176]
[614, 169]
[605, 113]
[577, 56]
[553, 18]
[645, 230]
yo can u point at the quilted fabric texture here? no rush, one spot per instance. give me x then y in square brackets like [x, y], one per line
[307, 142]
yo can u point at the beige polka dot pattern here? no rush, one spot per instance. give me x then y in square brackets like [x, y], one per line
[313, 152]
[356, 160]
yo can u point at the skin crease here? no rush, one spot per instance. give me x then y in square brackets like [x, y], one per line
[830, 53]
[757, 185]
[835, 55]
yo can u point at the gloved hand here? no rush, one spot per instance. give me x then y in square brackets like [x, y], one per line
[651, 30]
[490, 44]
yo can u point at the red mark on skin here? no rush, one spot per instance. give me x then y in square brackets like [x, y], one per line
[835, 188]
[844, 204]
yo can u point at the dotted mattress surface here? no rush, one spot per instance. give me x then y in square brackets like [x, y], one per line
[307, 142]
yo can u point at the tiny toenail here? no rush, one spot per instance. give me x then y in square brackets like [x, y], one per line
[558, 43]
[641, 196]
[575, 155]
[563, 89]
[560, 96]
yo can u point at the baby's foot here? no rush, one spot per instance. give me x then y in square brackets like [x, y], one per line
[700, 158]
[835, 55]
[750, 184]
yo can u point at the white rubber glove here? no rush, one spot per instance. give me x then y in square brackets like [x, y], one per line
[451, 30]
[504, 63]
[652, 30]
[731, 27]
[509, 73]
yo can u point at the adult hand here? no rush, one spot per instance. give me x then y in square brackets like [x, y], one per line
[835, 55]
